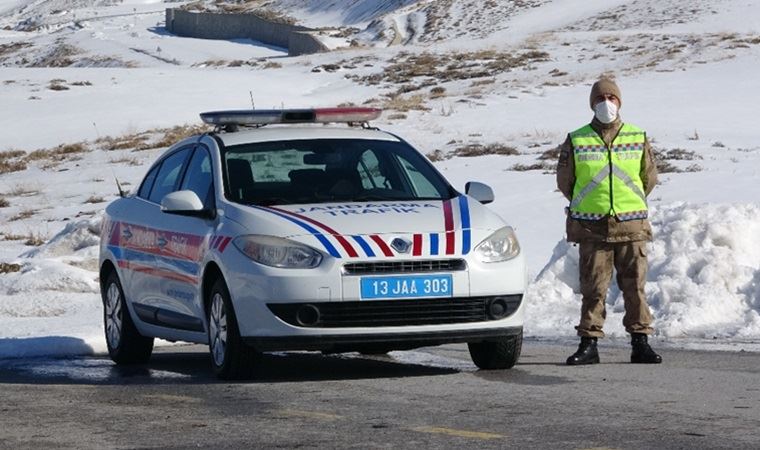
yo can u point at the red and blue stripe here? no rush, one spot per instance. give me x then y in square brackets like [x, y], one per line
[314, 232]
[464, 213]
[374, 245]
[219, 243]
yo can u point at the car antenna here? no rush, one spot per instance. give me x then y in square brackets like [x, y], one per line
[122, 193]
[253, 105]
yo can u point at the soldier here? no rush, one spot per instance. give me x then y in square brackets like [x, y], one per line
[606, 171]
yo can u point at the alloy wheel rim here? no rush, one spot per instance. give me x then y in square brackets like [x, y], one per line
[218, 329]
[113, 316]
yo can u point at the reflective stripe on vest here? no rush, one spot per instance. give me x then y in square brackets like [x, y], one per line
[608, 180]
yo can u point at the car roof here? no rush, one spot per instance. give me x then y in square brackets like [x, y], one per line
[290, 132]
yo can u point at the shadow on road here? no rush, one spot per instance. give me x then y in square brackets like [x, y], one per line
[195, 368]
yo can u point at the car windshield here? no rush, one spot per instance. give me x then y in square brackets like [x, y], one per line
[329, 170]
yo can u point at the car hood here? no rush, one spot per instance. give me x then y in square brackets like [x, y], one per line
[424, 227]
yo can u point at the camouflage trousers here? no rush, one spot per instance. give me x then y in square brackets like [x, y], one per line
[596, 263]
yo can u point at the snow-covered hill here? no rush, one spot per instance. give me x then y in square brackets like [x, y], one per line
[93, 90]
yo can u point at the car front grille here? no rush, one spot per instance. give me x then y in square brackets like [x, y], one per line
[411, 266]
[389, 313]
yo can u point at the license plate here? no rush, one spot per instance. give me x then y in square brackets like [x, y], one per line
[419, 286]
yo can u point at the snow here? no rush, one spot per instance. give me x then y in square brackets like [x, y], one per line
[702, 283]
[320, 13]
[184, 92]
[8, 5]
[52, 303]
[688, 79]
[555, 15]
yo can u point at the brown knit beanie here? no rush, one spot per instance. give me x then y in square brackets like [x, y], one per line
[605, 86]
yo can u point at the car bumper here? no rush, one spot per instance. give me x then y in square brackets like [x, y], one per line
[395, 340]
[259, 297]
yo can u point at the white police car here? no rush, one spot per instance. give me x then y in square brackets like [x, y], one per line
[287, 237]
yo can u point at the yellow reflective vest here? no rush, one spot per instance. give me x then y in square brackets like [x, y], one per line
[608, 179]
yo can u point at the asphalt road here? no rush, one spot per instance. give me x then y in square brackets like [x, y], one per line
[428, 398]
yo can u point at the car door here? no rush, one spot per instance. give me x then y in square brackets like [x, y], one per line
[184, 247]
[166, 249]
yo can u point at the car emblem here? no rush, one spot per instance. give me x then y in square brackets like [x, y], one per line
[401, 245]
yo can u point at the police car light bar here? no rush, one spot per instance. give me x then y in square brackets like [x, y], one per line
[260, 117]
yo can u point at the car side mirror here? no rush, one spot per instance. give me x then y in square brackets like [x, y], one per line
[185, 203]
[479, 191]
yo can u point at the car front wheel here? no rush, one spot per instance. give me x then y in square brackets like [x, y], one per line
[500, 354]
[231, 358]
[124, 342]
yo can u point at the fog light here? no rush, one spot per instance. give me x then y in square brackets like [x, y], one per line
[307, 315]
[497, 308]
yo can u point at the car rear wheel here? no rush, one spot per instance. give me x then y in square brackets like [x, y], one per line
[124, 342]
[499, 354]
[231, 358]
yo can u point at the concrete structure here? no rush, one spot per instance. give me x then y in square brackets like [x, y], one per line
[297, 39]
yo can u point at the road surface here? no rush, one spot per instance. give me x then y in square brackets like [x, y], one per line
[428, 398]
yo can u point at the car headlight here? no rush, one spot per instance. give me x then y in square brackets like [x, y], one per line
[278, 252]
[500, 246]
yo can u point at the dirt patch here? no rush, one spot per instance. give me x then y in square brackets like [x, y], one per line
[261, 63]
[663, 160]
[125, 160]
[472, 150]
[475, 18]
[60, 153]
[170, 136]
[95, 199]
[668, 167]
[402, 103]
[12, 161]
[147, 140]
[428, 69]
[7, 50]
[9, 267]
[677, 154]
[12, 166]
[61, 55]
[438, 92]
[658, 14]
[546, 167]
[549, 155]
[58, 85]
[25, 214]
[34, 240]
[258, 8]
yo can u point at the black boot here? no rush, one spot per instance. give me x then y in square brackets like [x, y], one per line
[642, 353]
[586, 353]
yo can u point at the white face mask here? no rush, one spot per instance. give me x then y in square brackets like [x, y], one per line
[606, 111]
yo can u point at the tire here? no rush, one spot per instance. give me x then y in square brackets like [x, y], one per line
[125, 344]
[501, 354]
[231, 358]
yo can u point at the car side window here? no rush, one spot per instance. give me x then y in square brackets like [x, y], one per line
[147, 183]
[198, 176]
[168, 175]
